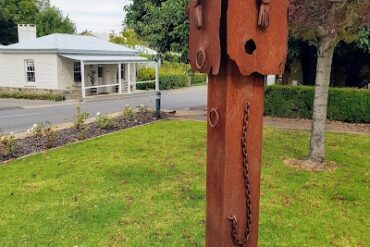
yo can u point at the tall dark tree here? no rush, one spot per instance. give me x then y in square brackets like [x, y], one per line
[11, 13]
[162, 23]
[324, 24]
[49, 19]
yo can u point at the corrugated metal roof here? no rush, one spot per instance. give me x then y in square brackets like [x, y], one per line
[68, 43]
[104, 59]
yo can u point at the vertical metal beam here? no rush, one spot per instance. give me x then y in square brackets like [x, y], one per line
[228, 93]
[129, 78]
[120, 77]
[157, 76]
[83, 93]
[157, 91]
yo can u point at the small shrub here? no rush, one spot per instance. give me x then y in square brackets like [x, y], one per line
[80, 123]
[37, 130]
[80, 119]
[8, 144]
[50, 135]
[145, 111]
[104, 122]
[141, 108]
[198, 79]
[44, 130]
[128, 114]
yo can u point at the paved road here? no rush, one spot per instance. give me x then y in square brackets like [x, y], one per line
[16, 118]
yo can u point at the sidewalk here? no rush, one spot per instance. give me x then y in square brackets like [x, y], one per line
[11, 104]
[286, 123]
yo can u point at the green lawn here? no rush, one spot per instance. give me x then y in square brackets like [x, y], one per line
[145, 187]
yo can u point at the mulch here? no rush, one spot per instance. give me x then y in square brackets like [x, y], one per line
[30, 145]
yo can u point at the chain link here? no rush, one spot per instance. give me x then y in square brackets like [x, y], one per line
[247, 187]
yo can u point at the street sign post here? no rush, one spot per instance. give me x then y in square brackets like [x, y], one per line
[236, 43]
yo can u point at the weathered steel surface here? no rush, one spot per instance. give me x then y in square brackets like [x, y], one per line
[204, 43]
[254, 35]
[228, 94]
[257, 35]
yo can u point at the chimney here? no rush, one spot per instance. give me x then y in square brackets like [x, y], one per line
[26, 32]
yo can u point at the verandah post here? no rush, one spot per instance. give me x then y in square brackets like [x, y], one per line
[129, 78]
[83, 79]
[120, 77]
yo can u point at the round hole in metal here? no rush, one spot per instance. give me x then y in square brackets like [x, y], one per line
[250, 46]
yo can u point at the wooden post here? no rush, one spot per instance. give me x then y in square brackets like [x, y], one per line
[228, 93]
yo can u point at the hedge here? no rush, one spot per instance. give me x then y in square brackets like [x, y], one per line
[169, 78]
[166, 81]
[198, 79]
[33, 96]
[344, 104]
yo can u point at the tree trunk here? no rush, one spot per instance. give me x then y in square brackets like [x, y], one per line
[324, 61]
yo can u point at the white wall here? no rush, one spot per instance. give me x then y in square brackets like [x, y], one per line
[65, 73]
[51, 71]
[13, 72]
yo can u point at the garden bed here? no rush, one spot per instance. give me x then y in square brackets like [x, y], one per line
[34, 144]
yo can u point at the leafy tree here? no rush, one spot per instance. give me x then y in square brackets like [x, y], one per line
[49, 19]
[43, 4]
[86, 32]
[162, 23]
[11, 13]
[324, 24]
[127, 37]
[8, 32]
[364, 39]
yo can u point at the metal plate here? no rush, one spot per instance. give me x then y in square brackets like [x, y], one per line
[256, 49]
[204, 38]
[227, 94]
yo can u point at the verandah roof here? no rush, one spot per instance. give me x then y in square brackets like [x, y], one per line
[108, 59]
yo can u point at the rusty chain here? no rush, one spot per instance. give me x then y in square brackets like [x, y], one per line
[247, 186]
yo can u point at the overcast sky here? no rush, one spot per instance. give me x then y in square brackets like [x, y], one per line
[94, 15]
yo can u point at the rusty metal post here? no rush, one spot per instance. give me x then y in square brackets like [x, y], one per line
[228, 93]
[236, 43]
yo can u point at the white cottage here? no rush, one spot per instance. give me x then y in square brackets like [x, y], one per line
[64, 62]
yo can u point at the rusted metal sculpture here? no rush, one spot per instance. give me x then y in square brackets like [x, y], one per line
[205, 47]
[237, 43]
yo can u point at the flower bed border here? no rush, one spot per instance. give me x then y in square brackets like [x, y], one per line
[37, 145]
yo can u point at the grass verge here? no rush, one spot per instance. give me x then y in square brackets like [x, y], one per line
[145, 187]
